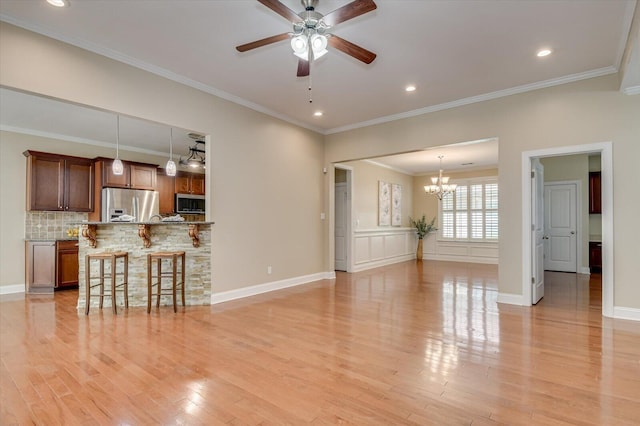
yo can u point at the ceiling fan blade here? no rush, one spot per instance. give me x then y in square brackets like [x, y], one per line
[263, 42]
[303, 68]
[360, 53]
[282, 10]
[349, 11]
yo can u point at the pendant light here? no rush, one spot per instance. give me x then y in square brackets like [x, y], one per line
[117, 168]
[170, 168]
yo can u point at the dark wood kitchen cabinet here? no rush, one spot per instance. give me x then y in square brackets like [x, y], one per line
[66, 264]
[166, 185]
[595, 190]
[59, 183]
[40, 266]
[190, 183]
[595, 256]
[135, 176]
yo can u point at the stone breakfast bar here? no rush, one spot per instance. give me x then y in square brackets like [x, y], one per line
[139, 239]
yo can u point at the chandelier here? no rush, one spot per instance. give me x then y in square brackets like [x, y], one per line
[196, 156]
[440, 185]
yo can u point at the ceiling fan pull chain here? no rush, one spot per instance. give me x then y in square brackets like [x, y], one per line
[310, 93]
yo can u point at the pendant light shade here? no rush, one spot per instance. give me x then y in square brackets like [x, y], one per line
[170, 168]
[117, 167]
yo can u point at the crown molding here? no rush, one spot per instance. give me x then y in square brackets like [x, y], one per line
[480, 98]
[56, 136]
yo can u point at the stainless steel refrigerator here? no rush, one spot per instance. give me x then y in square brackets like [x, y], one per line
[129, 205]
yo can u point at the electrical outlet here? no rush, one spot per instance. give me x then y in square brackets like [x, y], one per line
[269, 269]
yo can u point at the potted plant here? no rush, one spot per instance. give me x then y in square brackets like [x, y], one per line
[422, 229]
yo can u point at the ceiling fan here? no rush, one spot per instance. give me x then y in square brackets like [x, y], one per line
[311, 36]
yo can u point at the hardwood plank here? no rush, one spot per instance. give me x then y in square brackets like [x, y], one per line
[412, 343]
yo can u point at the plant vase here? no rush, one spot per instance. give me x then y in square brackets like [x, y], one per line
[419, 250]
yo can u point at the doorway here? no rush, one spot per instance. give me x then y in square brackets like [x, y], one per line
[342, 218]
[528, 157]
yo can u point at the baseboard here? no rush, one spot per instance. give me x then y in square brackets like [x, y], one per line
[584, 270]
[12, 289]
[383, 262]
[510, 299]
[626, 313]
[465, 259]
[253, 290]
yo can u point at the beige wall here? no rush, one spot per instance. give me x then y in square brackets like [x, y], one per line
[365, 177]
[584, 112]
[265, 178]
[573, 167]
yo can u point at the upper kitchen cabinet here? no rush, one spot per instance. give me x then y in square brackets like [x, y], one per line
[166, 185]
[190, 183]
[595, 189]
[135, 176]
[59, 183]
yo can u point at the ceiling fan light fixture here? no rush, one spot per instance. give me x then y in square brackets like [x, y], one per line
[319, 45]
[59, 3]
[299, 44]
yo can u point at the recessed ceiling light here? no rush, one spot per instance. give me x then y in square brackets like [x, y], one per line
[543, 52]
[318, 113]
[410, 88]
[59, 3]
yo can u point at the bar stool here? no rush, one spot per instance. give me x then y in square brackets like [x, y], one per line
[173, 256]
[124, 284]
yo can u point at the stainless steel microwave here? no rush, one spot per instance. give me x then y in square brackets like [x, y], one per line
[191, 204]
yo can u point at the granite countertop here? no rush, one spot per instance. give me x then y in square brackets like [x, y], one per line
[51, 239]
[146, 223]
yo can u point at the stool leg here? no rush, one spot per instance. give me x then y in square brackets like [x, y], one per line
[159, 282]
[183, 303]
[87, 283]
[101, 282]
[175, 282]
[113, 285]
[126, 282]
[149, 280]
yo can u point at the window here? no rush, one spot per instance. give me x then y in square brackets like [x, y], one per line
[472, 212]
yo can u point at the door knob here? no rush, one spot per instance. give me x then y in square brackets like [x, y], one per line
[572, 232]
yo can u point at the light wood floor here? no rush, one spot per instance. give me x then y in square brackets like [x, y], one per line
[413, 343]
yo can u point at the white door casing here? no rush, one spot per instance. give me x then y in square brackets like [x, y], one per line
[537, 230]
[341, 221]
[560, 223]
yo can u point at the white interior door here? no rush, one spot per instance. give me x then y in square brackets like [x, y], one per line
[537, 230]
[560, 218]
[341, 220]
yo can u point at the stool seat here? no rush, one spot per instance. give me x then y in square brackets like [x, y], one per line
[123, 285]
[158, 257]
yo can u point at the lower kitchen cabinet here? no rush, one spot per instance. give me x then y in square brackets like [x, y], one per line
[40, 266]
[66, 264]
[595, 256]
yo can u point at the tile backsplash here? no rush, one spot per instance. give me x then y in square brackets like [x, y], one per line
[51, 225]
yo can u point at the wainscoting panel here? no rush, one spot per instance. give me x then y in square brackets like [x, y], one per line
[459, 251]
[379, 247]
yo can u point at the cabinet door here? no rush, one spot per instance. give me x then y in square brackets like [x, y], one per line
[40, 266]
[166, 185]
[78, 185]
[143, 177]
[67, 264]
[595, 189]
[46, 183]
[115, 181]
[183, 183]
[197, 184]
